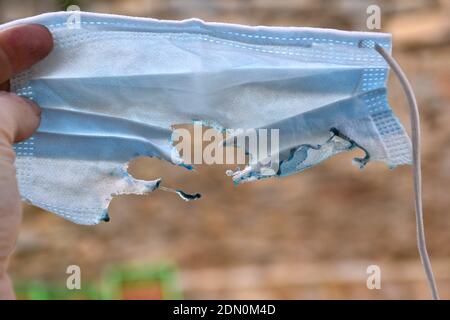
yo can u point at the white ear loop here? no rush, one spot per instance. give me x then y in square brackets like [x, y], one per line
[415, 130]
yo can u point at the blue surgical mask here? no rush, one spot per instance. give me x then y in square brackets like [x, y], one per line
[113, 87]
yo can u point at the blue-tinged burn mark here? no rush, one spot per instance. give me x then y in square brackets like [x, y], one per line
[105, 216]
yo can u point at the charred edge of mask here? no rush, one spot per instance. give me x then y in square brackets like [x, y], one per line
[187, 196]
[361, 161]
[105, 217]
[335, 133]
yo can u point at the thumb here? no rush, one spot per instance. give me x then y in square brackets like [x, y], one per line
[19, 119]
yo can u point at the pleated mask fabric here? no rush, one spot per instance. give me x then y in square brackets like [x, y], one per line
[113, 87]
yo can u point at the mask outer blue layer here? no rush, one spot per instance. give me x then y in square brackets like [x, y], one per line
[114, 86]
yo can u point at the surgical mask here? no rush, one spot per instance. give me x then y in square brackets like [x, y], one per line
[113, 87]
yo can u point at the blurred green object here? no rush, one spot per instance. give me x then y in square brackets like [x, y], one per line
[123, 282]
[51, 291]
[141, 282]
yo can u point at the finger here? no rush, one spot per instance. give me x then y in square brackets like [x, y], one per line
[21, 47]
[19, 118]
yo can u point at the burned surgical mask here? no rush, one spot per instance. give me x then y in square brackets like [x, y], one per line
[114, 86]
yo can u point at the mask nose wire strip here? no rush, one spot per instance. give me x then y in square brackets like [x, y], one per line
[415, 129]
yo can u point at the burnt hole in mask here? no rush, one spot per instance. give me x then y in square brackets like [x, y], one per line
[361, 162]
[307, 155]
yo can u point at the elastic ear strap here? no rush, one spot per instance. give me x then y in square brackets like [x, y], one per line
[415, 130]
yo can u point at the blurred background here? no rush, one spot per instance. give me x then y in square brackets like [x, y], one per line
[308, 236]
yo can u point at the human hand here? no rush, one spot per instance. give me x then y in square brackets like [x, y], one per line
[20, 47]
